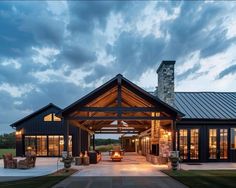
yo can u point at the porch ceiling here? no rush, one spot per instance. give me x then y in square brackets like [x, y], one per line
[118, 101]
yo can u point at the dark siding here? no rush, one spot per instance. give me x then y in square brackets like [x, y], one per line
[203, 127]
[37, 126]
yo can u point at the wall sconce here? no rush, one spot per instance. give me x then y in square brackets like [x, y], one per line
[18, 133]
[132, 141]
[136, 140]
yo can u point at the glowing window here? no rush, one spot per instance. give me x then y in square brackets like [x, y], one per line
[55, 118]
[48, 117]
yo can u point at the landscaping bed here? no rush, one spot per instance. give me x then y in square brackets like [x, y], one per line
[40, 182]
[204, 178]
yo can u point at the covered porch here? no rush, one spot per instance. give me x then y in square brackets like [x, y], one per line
[121, 107]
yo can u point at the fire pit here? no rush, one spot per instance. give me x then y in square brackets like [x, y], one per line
[116, 155]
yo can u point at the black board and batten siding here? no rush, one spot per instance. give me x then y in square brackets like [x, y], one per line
[35, 125]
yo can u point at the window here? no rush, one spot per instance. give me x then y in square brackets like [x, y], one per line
[51, 117]
[41, 145]
[233, 138]
[48, 117]
[212, 143]
[30, 143]
[55, 118]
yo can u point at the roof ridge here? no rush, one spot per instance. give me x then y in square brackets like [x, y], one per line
[205, 92]
[35, 112]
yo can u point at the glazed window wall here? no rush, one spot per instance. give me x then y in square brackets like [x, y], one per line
[45, 145]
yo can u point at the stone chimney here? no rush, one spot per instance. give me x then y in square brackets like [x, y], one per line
[166, 85]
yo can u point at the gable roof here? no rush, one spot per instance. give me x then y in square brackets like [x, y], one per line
[206, 105]
[111, 83]
[34, 114]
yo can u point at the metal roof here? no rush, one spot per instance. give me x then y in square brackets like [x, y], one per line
[206, 105]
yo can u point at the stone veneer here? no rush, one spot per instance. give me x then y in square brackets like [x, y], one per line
[165, 90]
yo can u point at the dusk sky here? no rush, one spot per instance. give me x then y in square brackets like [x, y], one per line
[59, 51]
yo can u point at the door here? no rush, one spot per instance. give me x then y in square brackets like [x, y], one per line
[188, 142]
[217, 144]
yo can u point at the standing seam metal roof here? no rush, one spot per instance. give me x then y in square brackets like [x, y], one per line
[206, 105]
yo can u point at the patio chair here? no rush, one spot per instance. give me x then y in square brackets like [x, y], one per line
[28, 162]
[9, 161]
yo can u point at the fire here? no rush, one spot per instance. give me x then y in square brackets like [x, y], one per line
[116, 154]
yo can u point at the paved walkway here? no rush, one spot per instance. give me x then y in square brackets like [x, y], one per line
[209, 166]
[43, 166]
[132, 172]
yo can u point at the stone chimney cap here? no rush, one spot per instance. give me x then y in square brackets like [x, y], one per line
[169, 62]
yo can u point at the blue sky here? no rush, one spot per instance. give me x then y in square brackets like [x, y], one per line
[59, 51]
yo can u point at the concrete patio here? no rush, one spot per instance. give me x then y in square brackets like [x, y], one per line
[43, 166]
[133, 171]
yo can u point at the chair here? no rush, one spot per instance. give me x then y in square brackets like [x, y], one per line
[28, 162]
[9, 161]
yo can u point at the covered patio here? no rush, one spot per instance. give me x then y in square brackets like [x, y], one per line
[121, 107]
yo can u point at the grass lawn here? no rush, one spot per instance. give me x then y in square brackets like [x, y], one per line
[205, 178]
[104, 148]
[39, 182]
[2, 151]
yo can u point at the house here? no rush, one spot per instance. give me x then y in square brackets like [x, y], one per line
[200, 125]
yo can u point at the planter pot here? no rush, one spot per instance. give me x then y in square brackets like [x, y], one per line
[174, 165]
[78, 161]
[67, 163]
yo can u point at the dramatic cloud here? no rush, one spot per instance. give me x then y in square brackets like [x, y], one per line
[57, 51]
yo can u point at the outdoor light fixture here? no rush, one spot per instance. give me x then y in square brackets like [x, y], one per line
[18, 132]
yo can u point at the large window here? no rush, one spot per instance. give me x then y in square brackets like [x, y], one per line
[233, 138]
[212, 143]
[41, 146]
[183, 143]
[223, 143]
[44, 145]
[30, 143]
[194, 145]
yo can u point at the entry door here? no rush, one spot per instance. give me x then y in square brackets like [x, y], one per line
[217, 144]
[188, 143]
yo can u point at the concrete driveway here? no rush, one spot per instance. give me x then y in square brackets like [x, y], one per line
[133, 172]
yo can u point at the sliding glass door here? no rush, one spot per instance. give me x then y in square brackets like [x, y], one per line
[46, 145]
[188, 140]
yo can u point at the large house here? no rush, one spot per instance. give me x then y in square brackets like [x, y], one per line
[200, 125]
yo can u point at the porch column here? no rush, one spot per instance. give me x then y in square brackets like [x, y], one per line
[173, 127]
[93, 141]
[66, 136]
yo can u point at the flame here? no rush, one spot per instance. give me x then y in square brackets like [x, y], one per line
[116, 154]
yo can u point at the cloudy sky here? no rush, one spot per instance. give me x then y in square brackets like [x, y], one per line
[59, 51]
